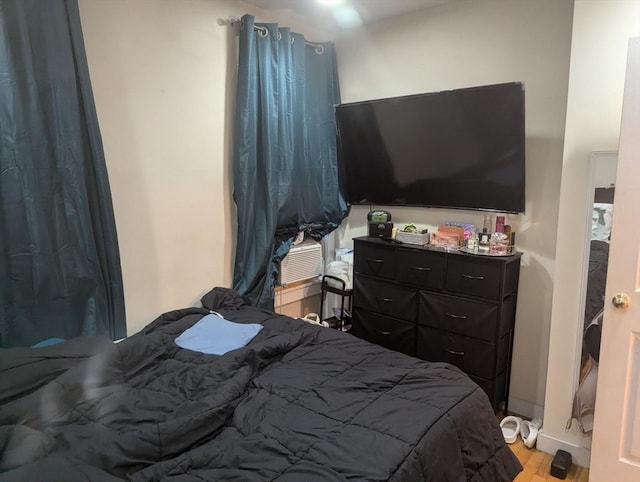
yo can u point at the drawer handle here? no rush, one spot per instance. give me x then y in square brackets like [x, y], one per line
[421, 268]
[456, 353]
[456, 317]
[384, 333]
[386, 300]
[379, 261]
[477, 278]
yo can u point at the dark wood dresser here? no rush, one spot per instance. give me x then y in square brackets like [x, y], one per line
[439, 306]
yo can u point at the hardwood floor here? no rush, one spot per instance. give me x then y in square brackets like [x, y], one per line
[536, 465]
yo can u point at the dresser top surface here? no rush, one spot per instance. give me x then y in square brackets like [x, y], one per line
[399, 244]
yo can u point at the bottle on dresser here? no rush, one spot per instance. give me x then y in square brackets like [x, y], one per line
[499, 241]
[484, 241]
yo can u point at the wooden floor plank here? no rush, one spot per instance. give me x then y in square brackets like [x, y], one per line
[545, 466]
[532, 464]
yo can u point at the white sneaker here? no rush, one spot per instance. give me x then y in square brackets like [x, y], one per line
[529, 431]
[511, 427]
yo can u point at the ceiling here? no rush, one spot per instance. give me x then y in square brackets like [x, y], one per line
[343, 15]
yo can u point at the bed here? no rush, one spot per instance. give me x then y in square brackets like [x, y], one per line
[299, 402]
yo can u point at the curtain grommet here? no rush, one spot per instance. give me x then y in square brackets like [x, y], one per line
[319, 49]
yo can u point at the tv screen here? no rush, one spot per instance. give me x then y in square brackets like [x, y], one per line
[460, 149]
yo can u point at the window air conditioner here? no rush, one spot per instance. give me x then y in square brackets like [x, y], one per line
[304, 261]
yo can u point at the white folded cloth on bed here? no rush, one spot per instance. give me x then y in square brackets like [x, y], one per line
[214, 335]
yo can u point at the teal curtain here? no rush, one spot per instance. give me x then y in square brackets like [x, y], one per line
[59, 260]
[285, 154]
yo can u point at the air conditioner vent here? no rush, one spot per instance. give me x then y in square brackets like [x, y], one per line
[304, 261]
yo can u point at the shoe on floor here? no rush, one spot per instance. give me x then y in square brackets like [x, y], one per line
[529, 431]
[511, 427]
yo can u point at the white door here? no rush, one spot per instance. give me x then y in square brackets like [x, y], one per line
[615, 451]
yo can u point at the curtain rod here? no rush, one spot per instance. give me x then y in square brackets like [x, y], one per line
[233, 21]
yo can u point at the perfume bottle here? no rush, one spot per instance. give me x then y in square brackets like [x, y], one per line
[484, 241]
[487, 223]
[498, 244]
[472, 243]
[507, 233]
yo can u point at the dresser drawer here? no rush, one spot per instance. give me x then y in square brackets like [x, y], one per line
[474, 276]
[382, 330]
[420, 268]
[495, 389]
[375, 260]
[475, 357]
[386, 298]
[465, 317]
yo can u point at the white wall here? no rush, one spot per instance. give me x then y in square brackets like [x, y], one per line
[469, 43]
[601, 29]
[159, 75]
[163, 76]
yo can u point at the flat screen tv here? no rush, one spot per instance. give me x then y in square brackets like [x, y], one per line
[461, 149]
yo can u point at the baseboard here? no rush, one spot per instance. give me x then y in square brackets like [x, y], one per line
[548, 444]
[525, 408]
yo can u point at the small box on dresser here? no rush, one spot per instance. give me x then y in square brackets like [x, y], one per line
[420, 239]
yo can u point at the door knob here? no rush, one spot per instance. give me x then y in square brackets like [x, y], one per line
[621, 300]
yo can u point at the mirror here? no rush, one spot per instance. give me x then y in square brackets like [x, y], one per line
[602, 167]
